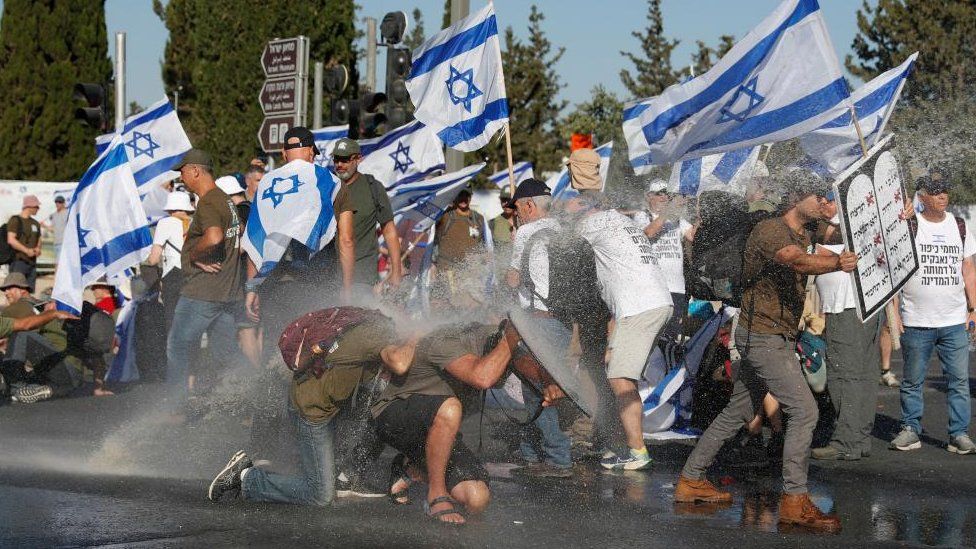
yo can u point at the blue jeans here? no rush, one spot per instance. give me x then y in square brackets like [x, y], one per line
[952, 346]
[315, 484]
[553, 441]
[191, 319]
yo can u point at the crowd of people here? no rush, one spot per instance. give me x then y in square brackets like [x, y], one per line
[603, 285]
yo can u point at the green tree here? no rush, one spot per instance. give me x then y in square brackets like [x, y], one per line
[601, 115]
[653, 65]
[214, 53]
[446, 19]
[416, 36]
[942, 31]
[707, 56]
[45, 48]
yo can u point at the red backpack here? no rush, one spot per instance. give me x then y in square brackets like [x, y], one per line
[322, 328]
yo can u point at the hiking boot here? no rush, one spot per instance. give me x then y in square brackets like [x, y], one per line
[360, 487]
[907, 439]
[962, 445]
[31, 393]
[546, 470]
[799, 510]
[888, 379]
[229, 478]
[635, 461]
[691, 490]
[828, 453]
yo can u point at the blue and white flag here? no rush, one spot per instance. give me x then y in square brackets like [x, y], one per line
[107, 230]
[403, 196]
[779, 82]
[325, 140]
[457, 85]
[523, 171]
[102, 142]
[409, 153]
[835, 145]
[559, 184]
[426, 208]
[293, 202]
[729, 172]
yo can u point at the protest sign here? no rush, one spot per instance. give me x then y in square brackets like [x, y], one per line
[871, 200]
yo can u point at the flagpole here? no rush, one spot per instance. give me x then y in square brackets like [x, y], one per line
[860, 134]
[508, 153]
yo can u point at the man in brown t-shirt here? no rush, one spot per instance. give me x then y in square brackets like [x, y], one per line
[458, 233]
[776, 263]
[212, 275]
[24, 236]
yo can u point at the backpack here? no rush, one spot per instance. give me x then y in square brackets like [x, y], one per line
[718, 251]
[960, 224]
[322, 328]
[574, 292]
[7, 252]
[93, 334]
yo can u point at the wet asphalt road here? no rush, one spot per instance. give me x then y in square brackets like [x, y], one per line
[102, 472]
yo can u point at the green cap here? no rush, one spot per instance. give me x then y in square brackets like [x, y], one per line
[345, 148]
[194, 156]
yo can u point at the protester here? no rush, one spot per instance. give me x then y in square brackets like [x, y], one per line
[362, 204]
[368, 343]
[24, 236]
[212, 275]
[528, 273]
[247, 329]
[937, 311]
[252, 177]
[104, 294]
[458, 233]
[852, 356]
[56, 222]
[49, 375]
[503, 226]
[636, 292]
[775, 267]
[167, 248]
[888, 378]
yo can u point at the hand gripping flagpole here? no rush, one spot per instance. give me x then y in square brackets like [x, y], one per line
[508, 125]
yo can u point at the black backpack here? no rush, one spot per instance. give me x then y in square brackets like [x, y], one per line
[574, 293]
[7, 252]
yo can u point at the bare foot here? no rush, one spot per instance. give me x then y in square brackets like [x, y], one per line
[102, 392]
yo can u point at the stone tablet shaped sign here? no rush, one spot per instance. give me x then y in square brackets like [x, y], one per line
[871, 201]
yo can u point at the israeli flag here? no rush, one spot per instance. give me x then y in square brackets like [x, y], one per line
[426, 208]
[107, 231]
[457, 85]
[409, 153]
[523, 171]
[559, 184]
[403, 196]
[729, 172]
[781, 81]
[293, 202]
[835, 145]
[102, 142]
[325, 140]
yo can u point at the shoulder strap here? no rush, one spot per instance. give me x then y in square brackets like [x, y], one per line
[451, 218]
[961, 225]
[373, 185]
[525, 275]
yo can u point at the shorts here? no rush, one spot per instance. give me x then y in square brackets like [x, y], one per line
[241, 320]
[404, 425]
[632, 341]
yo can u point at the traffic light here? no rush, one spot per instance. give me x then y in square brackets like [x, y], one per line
[399, 109]
[371, 116]
[95, 114]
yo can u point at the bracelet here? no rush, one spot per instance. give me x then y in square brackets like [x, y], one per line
[251, 286]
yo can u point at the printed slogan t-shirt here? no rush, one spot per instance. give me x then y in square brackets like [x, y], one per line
[935, 296]
[667, 247]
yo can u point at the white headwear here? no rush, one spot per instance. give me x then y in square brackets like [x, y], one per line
[178, 201]
[229, 184]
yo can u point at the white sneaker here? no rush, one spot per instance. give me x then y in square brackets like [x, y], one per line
[962, 445]
[888, 379]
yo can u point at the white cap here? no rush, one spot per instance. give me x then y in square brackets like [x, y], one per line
[229, 184]
[656, 186]
[178, 201]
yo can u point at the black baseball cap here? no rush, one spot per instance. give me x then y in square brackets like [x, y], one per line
[529, 188]
[59, 198]
[305, 139]
[932, 186]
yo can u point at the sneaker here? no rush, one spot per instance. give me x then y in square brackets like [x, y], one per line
[546, 470]
[829, 453]
[229, 478]
[359, 488]
[635, 461]
[962, 445]
[888, 379]
[31, 393]
[907, 439]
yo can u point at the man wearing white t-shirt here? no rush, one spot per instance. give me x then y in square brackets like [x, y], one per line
[528, 272]
[167, 245]
[667, 231]
[937, 308]
[634, 289]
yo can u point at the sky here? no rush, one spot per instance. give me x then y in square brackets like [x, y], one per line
[593, 34]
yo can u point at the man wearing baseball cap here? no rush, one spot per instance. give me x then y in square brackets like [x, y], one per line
[56, 222]
[24, 236]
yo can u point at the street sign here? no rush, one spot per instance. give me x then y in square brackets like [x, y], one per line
[279, 95]
[273, 129]
[282, 57]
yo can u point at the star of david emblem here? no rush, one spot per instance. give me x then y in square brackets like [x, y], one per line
[276, 194]
[462, 81]
[877, 239]
[749, 90]
[149, 148]
[869, 199]
[426, 206]
[398, 164]
[82, 233]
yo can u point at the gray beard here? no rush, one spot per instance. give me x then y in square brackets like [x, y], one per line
[344, 176]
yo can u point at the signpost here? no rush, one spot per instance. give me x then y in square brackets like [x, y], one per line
[871, 200]
[284, 95]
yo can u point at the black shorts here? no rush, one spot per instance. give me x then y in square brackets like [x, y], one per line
[404, 425]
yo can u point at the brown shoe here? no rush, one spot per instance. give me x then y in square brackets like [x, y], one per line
[799, 510]
[690, 490]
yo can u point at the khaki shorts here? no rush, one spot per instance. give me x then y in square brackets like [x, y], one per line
[632, 341]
